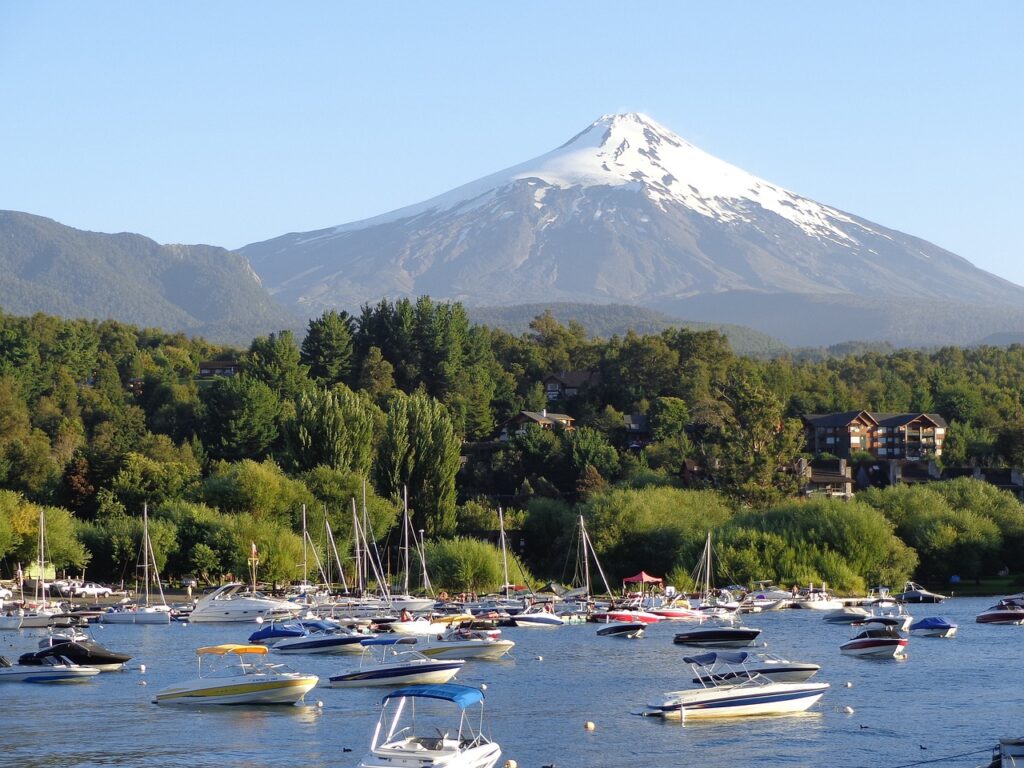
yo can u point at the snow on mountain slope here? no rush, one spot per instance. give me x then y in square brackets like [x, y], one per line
[624, 211]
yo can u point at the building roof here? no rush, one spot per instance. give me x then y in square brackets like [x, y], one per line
[824, 420]
[573, 378]
[836, 419]
[902, 419]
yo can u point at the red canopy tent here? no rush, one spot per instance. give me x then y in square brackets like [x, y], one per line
[642, 578]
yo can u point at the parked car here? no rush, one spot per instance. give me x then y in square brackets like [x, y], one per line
[5, 593]
[91, 589]
[189, 581]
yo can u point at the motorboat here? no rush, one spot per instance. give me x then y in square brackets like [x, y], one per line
[717, 636]
[234, 674]
[468, 644]
[53, 669]
[11, 619]
[272, 631]
[933, 626]
[753, 694]
[767, 665]
[676, 610]
[816, 599]
[883, 618]
[538, 615]
[628, 615]
[629, 630]
[320, 636]
[237, 602]
[1009, 752]
[78, 649]
[848, 614]
[880, 597]
[876, 642]
[398, 665]
[915, 593]
[416, 731]
[427, 625]
[1009, 610]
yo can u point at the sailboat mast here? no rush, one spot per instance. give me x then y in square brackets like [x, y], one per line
[145, 552]
[405, 537]
[504, 552]
[707, 567]
[360, 585]
[305, 555]
[586, 557]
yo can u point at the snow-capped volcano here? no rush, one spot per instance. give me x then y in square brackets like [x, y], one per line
[625, 211]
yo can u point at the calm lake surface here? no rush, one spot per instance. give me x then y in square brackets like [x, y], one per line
[952, 696]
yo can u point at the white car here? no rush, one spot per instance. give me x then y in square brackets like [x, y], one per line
[5, 593]
[91, 589]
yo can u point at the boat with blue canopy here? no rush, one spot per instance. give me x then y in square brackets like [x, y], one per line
[417, 729]
[933, 626]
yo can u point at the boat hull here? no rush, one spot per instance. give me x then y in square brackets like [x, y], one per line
[432, 671]
[411, 753]
[63, 674]
[717, 637]
[209, 691]
[483, 650]
[631, 631]
[327, 644]
[739, 701]
[874, 648]
[1000, 617]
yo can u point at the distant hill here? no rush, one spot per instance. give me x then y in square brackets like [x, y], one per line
[606, 320]
[199, 289]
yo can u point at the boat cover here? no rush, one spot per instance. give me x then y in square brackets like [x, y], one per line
[707, 659]
[932, 622]
[642, 578]
[463, 695]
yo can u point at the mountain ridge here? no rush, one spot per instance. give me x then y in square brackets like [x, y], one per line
[624, 212]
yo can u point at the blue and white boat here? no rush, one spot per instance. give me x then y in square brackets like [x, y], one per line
[398, 665]
[538, 615]
[933, 626]
[270, 632]
[321, 636]
[415, 730]
[753, 694]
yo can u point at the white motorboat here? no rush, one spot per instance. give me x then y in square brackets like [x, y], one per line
[397, 666]
[11, 619]
[52, 670]
[815, 599]
[897, 619]
[933, 626]
[426, 626]
[236, 602]
[410, 733]
[754, 694]
[539, 615]
[233, 674]
[848, 614]
[767, 665]
[915, 593]
[468, 644]
[876, 642]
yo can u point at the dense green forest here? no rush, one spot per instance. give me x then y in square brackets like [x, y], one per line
[99, 418]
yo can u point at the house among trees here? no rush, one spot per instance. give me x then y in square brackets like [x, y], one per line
[638, 430]
[826, 477]
[914, 436]
[208, 369]
[558, 386]
[543, 419]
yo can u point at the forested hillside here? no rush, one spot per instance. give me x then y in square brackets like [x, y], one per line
[98, 418]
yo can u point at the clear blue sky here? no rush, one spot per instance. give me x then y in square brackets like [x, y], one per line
[232, 122]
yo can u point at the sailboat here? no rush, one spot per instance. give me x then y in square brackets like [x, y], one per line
[628, 613]
[42, 613]
[712, 602]
[143, 612]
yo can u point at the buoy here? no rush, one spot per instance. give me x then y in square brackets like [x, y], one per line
[483, 686]
[259, 619]
[849, 684]
[589, 725]
[540, 658]
[142, 668]
[142, 682]
[848, 710]
[511, 764]
[319, 704]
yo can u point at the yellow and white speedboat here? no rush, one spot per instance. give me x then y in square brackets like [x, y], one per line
[235, 674]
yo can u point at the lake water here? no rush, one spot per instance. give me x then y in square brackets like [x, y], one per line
[952, 697]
